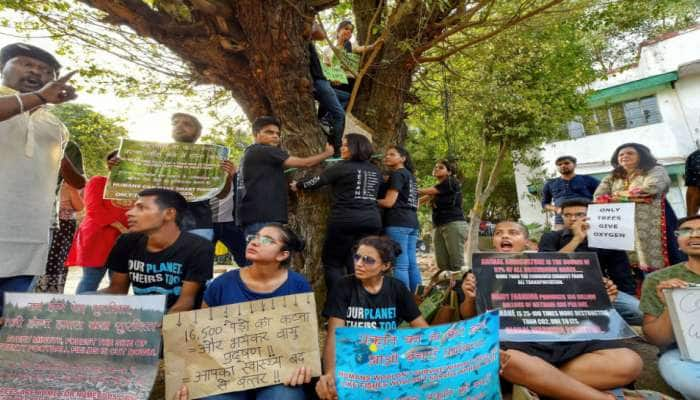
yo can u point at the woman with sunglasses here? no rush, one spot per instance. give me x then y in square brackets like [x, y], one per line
[270, 252]
[354, 213]
[369, 299]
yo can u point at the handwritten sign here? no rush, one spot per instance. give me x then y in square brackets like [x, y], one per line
[451, 361]
[547, 297]
[240, 346]
[684, 309]
[351, 61]
[79, 347]
[193, 170]
[611, 226]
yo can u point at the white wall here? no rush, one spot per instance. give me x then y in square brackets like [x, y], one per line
[670, 141]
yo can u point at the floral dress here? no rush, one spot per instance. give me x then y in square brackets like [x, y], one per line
[650, 214]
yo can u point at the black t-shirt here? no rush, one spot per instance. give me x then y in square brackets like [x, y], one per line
[261, 190]
[190, 258]
[359, 308]
[448, 202]
[355, 188]
[613, 263]
[198, 216]
[404, 211]
[315, 64]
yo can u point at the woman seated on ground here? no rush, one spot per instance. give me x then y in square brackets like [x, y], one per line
[356, 296]
[270, 252]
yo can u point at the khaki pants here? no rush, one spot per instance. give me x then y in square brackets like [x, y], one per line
[448, 241]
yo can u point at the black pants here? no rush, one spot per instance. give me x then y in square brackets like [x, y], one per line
[232, 236]
[337, 250]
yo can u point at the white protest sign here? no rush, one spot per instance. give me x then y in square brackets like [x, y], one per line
[684, 309]
[611, 226]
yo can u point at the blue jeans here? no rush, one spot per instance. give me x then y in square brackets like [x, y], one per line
[330, 100]
[92, 276]
[405, 266]
[233, 237]
[207, 233]
[683, 376]
[628, 307]
[19, 283]
[276, 392]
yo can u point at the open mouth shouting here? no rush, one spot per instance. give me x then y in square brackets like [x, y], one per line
[32, 82]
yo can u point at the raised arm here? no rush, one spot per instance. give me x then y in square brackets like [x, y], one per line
[308, 162]
[54, 92]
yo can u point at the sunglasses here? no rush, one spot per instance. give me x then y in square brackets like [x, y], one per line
[263, 240]
[687, 232]
[366, 260]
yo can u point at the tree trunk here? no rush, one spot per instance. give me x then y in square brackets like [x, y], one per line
[484, 189]
[258, 50]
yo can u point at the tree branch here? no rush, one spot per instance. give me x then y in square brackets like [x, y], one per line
[511, 22]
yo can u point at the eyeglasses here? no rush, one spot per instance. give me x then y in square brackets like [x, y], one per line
[687, 232]
[366, 260]
[263, 240]
[576, 215]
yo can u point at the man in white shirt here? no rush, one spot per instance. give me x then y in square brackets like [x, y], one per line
[31, 157]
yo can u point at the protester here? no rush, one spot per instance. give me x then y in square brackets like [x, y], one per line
[401, 217]
[682, 375]
[343, 34]
[637, 177]
[354, 212]
[261, 191]
[156, 257]
[186, 128]
[104, 221]
[31, 157]
[270, 251]
[225, 228]
[561, 370]
[568, 185]
[331, 100]
[613, 263]
[367, 299]
[54, 280]
[450, 227]
[692, 183]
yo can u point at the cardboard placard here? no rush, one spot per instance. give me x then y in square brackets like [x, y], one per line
[451, 361]
[611, 226]
[684, 309]
[547, 297]
[64, 347]
[240, 346]
[193, 170]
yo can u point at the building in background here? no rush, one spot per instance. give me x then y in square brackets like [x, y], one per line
[655, 102]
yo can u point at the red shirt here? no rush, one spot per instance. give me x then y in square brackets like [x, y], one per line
[95, 237]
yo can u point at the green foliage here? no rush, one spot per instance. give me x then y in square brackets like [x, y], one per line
[95, 133]
[519, 88]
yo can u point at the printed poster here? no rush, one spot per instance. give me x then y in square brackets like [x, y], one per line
[547, 297]
[240, 346]
[94, 347]
[193, 170]
[611, 226]
[450, 361]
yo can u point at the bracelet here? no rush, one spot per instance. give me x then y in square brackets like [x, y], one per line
[21, 104]
[42, 98]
